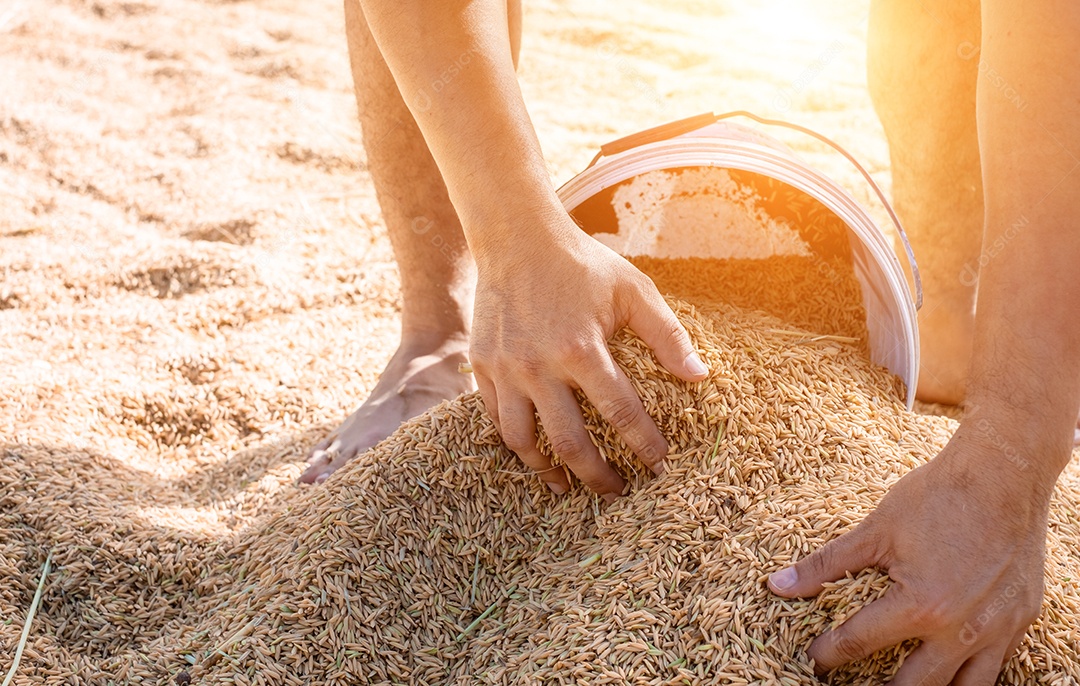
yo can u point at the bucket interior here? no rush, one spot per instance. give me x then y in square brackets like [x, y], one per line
[712, 212]
[755, 224]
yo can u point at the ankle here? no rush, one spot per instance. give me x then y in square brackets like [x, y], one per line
[417, 341]
[436, 318]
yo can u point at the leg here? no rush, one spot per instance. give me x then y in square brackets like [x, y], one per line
[923, 64]
[437, 273]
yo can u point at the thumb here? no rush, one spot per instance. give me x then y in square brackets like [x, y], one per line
[654, 322]
[852, 552]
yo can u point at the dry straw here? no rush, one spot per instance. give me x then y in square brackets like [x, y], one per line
[434, 559]
[28, 623]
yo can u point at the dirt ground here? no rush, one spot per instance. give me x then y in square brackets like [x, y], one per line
[195, 282]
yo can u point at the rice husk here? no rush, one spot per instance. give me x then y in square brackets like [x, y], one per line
[437, 558]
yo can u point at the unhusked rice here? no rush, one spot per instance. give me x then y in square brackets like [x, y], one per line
[436, 558]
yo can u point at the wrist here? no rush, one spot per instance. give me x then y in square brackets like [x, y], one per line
[1016, 451]
[518, 233]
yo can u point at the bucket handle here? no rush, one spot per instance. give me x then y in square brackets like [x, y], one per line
[683, 126]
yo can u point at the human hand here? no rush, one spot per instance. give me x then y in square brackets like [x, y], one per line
[545, 310]
[963, 539]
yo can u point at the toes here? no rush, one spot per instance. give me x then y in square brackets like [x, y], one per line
[325, 462]
[313, 472]
[325, 449]
[399, 395]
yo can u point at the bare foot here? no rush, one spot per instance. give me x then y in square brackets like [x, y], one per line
[945, 336]
[417, 378]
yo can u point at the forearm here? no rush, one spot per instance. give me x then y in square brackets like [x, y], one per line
[452, 63]
[1025, 375]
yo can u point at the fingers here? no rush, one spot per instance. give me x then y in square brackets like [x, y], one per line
[491, 399]
[852, 552]
[321, 446]
[981, 669]
[931, 665]
[654, 322]
[881, 624]
[1014, 645]
[325, 461]
[887, 622]
[927, 665]
[615, 398]
[565, 426]
[518, 428]
[515, 419]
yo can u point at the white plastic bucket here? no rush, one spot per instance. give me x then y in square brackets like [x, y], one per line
[706, 141]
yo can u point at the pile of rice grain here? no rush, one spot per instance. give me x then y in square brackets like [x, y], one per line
[436, 558]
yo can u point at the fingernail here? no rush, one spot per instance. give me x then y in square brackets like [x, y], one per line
[610, 497]
[659, 468]
[784, 579]
[556, 488]
[694, 365]
[322, 477]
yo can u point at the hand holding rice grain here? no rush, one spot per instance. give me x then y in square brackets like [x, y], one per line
[538, 334]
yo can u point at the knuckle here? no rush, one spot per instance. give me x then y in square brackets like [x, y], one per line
[570, 446]
[642, 287]
[576, 352]
[933, 612]
[848, 647]
[518, 439]
[622, 411]
[1028, 618]
[640, 293]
